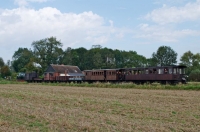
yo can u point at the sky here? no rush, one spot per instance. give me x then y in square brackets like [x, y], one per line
[142, 26]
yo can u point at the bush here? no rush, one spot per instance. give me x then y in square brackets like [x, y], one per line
[194, 75]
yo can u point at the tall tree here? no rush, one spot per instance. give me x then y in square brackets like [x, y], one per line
[67, 56]
[164, 56]
[187, 59]
[47, 51]
[5, 71]
[192, 61]
[97, 61]
[108, 58]
[196, 61]
[81, 52]
[21, 58]
[1, 62]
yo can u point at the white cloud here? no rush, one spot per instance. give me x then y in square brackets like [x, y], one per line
[21, 26]
[167, 14]
[167, 27]
[40, 1]
[163, 33]
[23, 3]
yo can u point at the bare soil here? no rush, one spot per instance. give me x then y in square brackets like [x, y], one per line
[34, 107]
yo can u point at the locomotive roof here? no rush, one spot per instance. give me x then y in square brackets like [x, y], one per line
[63, 69]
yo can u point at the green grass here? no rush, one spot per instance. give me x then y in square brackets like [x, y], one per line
[188, 86]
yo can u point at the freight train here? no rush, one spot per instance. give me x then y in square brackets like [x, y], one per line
[65, 73]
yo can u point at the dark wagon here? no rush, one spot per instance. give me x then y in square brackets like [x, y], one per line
[165, 74]
[140, 75]
[104, 75]
[33, 77]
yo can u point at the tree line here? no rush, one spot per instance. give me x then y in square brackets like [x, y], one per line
[49, 51]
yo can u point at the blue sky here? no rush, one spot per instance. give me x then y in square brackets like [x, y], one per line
[142, 26]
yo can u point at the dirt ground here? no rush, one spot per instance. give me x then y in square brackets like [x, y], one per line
[34, 107]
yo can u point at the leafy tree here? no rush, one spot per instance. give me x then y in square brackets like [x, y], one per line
[5, 71]
[97, 61]
[47, 51]
[1, 62]
[194, 75]
[135, 60]
[75, 57]
[81, 52]
[187, 59]
[67, 57]
[196, 61]
[21, 58]
[164, 56]
[88, 60]
[118, 58]
[108, 58]
[192, 61]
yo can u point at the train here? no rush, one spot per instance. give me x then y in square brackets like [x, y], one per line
[140, 75]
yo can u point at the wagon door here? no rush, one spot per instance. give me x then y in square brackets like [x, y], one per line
[120, 75]
[105, 75]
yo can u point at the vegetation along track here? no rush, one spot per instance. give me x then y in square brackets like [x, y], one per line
[35, 107]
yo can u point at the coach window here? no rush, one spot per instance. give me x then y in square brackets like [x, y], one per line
[147, 71]
[174, 71]
[141, 71]
[135, 72]
[181, 71]
[165, 70]
[160, 71]
[154, 71]
[170, 70]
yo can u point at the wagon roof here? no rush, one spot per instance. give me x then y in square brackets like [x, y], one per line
[171, 66]
[63, 69]
[102, 70]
